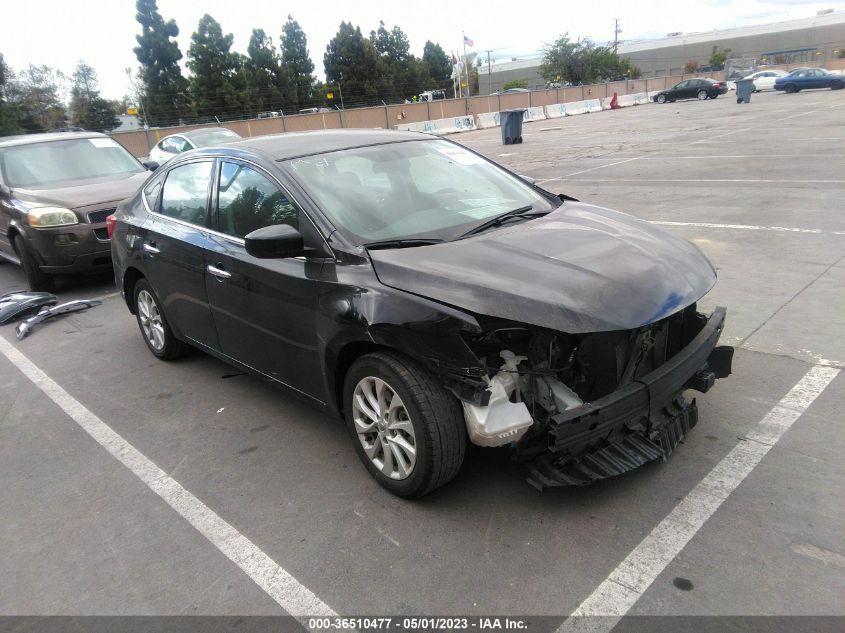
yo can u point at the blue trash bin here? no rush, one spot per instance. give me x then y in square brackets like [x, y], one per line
[744, 88]
[511, 123]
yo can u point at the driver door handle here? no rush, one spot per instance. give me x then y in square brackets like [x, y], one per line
[218, 272]
[150, 248]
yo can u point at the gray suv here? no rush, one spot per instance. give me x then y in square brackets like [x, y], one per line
[56, 191]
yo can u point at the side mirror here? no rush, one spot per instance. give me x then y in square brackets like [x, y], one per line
[5, 191]
[275, 242]
[528, 179]
[150, 164]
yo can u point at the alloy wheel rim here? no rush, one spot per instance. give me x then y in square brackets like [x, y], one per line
[702, 95]
[384, 428]
[150, 318]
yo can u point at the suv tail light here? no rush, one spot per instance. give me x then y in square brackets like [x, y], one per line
[110, 223]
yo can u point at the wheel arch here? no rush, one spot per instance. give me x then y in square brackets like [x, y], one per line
[130, 277]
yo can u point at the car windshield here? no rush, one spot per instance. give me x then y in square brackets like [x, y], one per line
[213, 137]
[45, 164]
[417, 189]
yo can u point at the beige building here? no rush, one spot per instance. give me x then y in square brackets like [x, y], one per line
[814, 41]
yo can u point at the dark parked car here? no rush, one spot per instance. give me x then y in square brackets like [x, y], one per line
[55, 193]
[808, 78]
[693, 89]
[429, 296]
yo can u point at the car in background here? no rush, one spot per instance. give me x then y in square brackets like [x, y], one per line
[56, 191]
[692, 89]
[765, 79]
[808, 79]
[509, 91]
[429, 296]
[175, 144]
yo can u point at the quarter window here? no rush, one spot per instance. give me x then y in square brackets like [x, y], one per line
[152, 190]
[185, 194]
[248, 200]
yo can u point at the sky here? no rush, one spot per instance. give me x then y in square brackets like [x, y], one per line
[59, 33]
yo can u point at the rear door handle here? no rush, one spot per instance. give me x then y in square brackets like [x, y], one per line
[151, 249]
[218, 272]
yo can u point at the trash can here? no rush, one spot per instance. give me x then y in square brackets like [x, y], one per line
[511, 123]
[744, 88]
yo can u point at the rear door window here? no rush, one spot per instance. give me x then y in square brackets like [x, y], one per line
[185, 193]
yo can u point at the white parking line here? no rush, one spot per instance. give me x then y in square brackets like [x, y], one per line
[748, 227]
[584, 171]
[281, 586]
[614, 597]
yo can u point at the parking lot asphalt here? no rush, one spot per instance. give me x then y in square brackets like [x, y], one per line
[758, 187]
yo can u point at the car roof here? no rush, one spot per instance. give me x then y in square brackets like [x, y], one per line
[295, 144]
[202, 130]
[28, 139]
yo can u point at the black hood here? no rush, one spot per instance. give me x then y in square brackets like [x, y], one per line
[579, 269]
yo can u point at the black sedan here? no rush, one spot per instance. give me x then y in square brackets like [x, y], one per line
[692, 89]
[429, 297]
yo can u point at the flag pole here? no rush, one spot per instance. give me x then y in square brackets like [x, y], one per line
[466, 64]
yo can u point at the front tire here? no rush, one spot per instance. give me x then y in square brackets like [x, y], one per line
[35, 277]
[661, 98]
[407, 429]
[155, 330]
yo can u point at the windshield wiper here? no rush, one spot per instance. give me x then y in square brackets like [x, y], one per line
[402, 243]
[521, 212]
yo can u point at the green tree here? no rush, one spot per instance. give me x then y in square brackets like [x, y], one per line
[718, 57]
[214, 71]
[438, 66]
[266, 81]
[164, 91]
[400, 72]
[297, 67]
[582, 61]
[515, 83]
[36, 93]
[352, 61]
[88, 109]
[8, 109]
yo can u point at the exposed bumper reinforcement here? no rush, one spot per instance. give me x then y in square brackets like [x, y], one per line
[639, 423]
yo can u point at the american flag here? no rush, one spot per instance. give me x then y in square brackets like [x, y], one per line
[468, 42]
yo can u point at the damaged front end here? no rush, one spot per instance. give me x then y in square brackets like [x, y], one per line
[584, 407]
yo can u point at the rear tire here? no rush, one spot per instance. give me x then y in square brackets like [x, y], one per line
[790, 89]
[836, 85]
[155, 330]
[702, 95]
[426, 418]
[35, 277]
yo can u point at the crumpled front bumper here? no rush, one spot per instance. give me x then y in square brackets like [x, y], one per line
[639, 423]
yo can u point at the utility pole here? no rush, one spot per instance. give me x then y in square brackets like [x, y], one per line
[616, 32]
[340, 90]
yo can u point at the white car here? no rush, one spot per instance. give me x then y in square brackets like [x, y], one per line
[175, 144]
[765, 79]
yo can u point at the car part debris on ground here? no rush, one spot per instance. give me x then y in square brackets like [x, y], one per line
[19, 303]
[23, 329]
